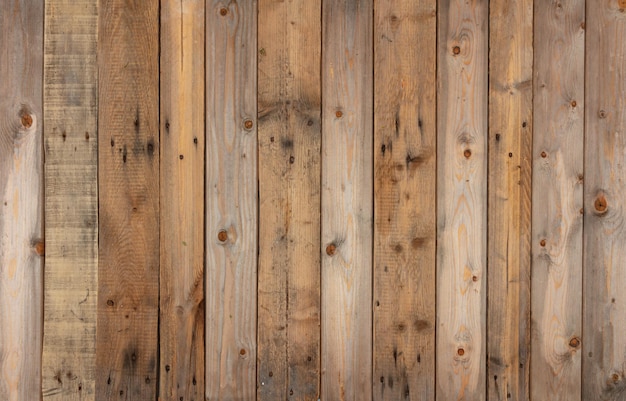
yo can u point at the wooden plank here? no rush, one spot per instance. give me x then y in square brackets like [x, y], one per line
[510, 155]
[181, 323]
[21, 199]
[289, 101]
[557, 199]
[405, 55]
[128, 152]
[604, 277]
[71, 203]
[462, 199]
[347, 193]
[231, 200]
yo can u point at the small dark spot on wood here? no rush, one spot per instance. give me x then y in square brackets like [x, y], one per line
[382, 379]
[109, 380]
[383, 148]
[124, 153]
[223, 11]
[150, 148]
[331, 249]
[86, 135]
[573, 103]
[421, 325]
[69, 374]
[497, 137]
[398, 248]
[133, 357]
[338, 113]
[110, 302]
[417, 242]
[309, 359]
[286, 143]
[57, 377]
[136, 123]
[386, 269]
[524, 124]
[510, 154]
[167, 126]
[195, 140]
[193, 381]
[395, 355]
[121, 392]
[148, 380]
[544, 155]
[419, 358]
[542, 242]
[271, 374]
[377, 303]
[167, 368]
[309, 123]
[112, 142]
[612, 300]
[419, 123]
[602, 114]
[272, 139]
[291, 159]
[181, 157]
[406, 390]
[401, 327]
[290, 391]
[508, 395]
[64, 136]
[80, 387]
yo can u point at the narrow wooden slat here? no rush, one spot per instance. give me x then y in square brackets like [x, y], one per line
[71, 204]
[405, 160]
[181, 324]
[461, 199]
[347, 207]
[128, 171]
[289, 102]
[231, 200]
[557, 199]
[510, 155]
[604, 318]
[21, 199]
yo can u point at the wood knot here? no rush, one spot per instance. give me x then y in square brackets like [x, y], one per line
[222, 236]
[248, 124]
[456, 50]
[460, 352]
[27, 120]
[331, 249]
[600, 204]
[338, 114]
[467, 153]
[223, 11]
[574, 342]
[544, 155]
[542, 242]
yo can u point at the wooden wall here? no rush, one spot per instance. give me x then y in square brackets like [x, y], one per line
[312, 200]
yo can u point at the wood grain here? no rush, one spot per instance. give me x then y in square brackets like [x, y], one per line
[557, 200]
[231, 200]
[604, 360]
[347, 191]
[461, 199]
[71, 202]
[510, 155]
[181, 322]
[289, 101]
[404, 186]
[128, 172]
[21, 199]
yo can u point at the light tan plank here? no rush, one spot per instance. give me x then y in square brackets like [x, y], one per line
[231, 200]
[71, 204]
[347, 207]
[604, 317]
[289, 101]
[128, 169]
[405, 55]
[181, 324]
[557, 200]
[510, 155]
[21, 199]
[461, 199]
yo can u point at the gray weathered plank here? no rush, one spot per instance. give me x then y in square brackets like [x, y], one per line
[21, 199]
[557, 198]
[71, 204]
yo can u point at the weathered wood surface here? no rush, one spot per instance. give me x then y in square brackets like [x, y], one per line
[462, 199]
[347, 191]
[289, 99]
[604, 318]
[71, 202]
[510, 155]
[404, 186]
[128, 172]
[21, 199]
[557, 200]
[181, 319]
[231, 200]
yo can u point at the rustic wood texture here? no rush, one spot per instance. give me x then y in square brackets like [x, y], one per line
[289, 101]
[462, 199]
[510, 155]
[404, 186]
[128, 172]
[21, 199]
[231, 200]
[71, 202]
[347, 191]
[604, 361]
[557, 199]
[181, 321]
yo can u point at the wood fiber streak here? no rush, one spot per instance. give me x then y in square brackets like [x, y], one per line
[128, 187]
[21, 199]
[231, 200]
[510, 155]
[557, 199]
[71, 203]
[462, 199]
[181, 319]
[405, 228]
[604, 307]
[347, 191]
[289, 101]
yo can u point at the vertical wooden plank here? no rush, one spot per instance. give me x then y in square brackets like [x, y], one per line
[181, 324]
[604, 363]
[71, 204]
[462, 199]
[231, 200]
[510, 155]
[347, 207]
[21, 199]
[128, 171]
[557, 199]
[289, 101]
[405, 56]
